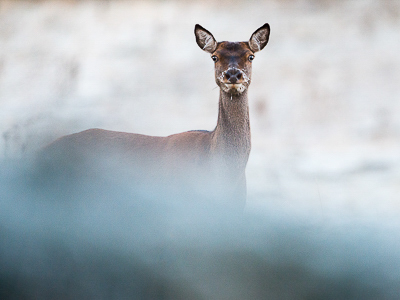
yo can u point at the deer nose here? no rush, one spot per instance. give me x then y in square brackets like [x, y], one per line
[233, 75]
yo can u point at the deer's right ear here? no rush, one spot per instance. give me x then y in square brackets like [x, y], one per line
[205, 39]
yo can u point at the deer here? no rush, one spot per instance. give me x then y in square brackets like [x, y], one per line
[198, 165]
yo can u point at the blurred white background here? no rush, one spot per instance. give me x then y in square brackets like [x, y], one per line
[324, 98]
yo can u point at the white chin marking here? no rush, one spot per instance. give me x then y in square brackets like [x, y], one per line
[235, 88]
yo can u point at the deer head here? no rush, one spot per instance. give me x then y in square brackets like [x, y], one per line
[232, 59]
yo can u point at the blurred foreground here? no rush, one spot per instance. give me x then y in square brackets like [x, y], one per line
[97, 239]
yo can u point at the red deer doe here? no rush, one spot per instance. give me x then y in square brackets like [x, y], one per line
[200, 166]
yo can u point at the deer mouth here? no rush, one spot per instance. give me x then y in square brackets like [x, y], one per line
[234, 88]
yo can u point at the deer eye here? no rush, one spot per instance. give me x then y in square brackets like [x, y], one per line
[214, 58]
[251, 57]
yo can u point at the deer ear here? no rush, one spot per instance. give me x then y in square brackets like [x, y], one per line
[259, 38]
[205, 39]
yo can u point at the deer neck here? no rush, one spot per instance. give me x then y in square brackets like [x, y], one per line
[231, 138]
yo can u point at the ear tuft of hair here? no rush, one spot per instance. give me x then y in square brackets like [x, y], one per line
[205, 39]
[259, 38]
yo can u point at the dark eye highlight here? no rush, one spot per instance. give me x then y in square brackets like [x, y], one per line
[214, 58]
[251, 57]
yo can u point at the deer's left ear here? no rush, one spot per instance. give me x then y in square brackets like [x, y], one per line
[259, 38]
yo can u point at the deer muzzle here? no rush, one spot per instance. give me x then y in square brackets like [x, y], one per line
[234, 80]
[233, 75]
